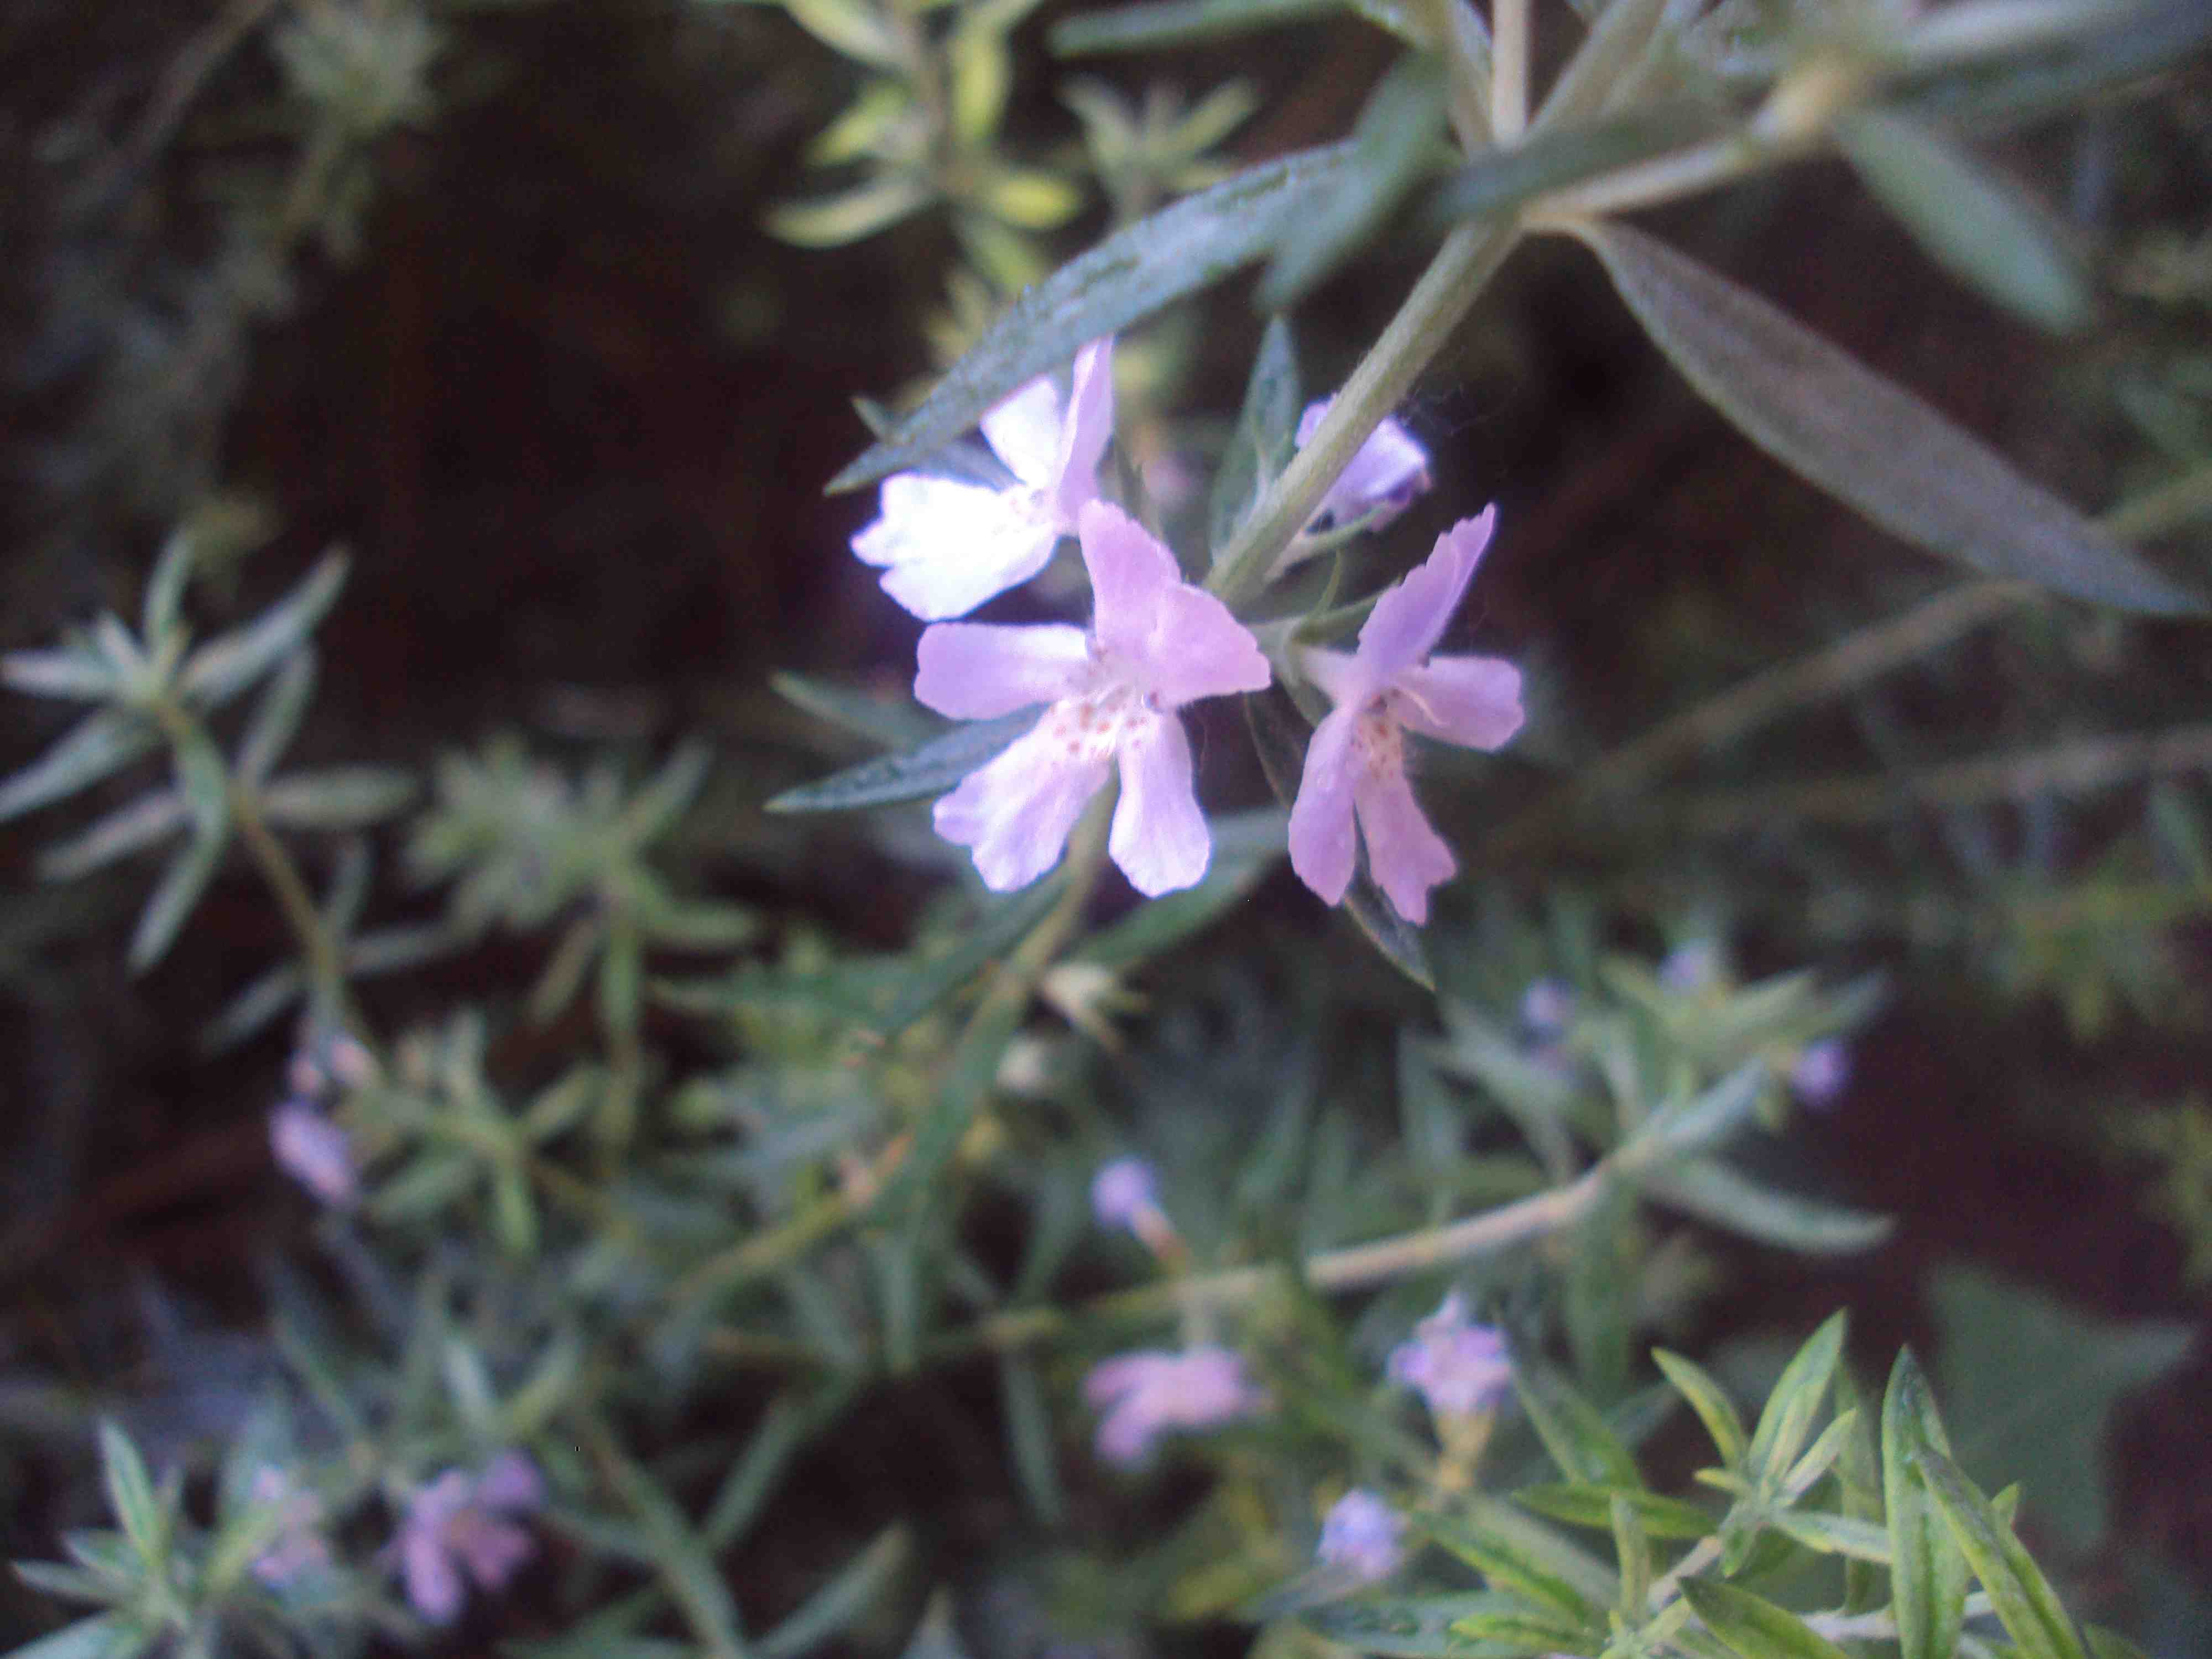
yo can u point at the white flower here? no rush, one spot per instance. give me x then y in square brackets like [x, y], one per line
[945, 546]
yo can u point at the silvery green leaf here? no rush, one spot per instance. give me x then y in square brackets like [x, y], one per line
[145, 823]
[390, 950]
[1683, 1128]
[686, 1568]
[2026, 1604]
[852, 216]
[1031, 1443]
[1399, 129]
[1864, 439]
[1495, 180]
[1833, 1534]
[1711, 1402]
[1753, 1626]
[564, 971]
[99, 744]
[203, 784]
[898, 725]
[1508, 1561]
[1974, 223]
[1246, 846]
[164, 588]
[276, 716]
[853, 1593]
[106, 1635]
[1182, 248]
[1265, 435]
[1714, 1192]
[853, 27]
[2117, 45]
[1176, 23]
[254, 1008]
[1589, 1503]
[226, 665]
[662, 800]
[1790, 1410]
[932, 769]
[342, 798]
[1622, 34]
[785, 1429]
[699, 926]
[131, 1496]
[75, 671]
[1574, 1432]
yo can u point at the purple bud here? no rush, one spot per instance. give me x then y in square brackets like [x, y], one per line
[1122, 1191]
[1361, 1532]
[1690, 967]
[1823, 1071]
[1546, 1007]
[315, 1152]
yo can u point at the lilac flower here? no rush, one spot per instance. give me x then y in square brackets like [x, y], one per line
[461, 1524]
[1382, 478]
[299, 1546]
[315, 1152]
[1823, 1071]
[1122, 1191]
[1155, 644]
[1361, 1532]
[1144, 1395]
[1546, 1007]
[1461, 1367]
[945, 546]
[1690, 967]
[1356, 763]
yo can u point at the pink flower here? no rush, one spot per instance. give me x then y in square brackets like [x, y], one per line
[1380, 479]
[1459, 1367]
[945, 545]
[1143, 1395]
[315, 1152]
[1155, 644]
[298, 1547]
[1122, 1191]
[1356, 763]
[459, 1523]
[1361, 1532]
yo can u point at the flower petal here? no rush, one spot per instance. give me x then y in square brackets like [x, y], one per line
[1410, 618]
[511, 1481]
[1474, 702]
[1323, 845]
[1404, 855]
[1129, 571]
[1197, 648]
[1025, 429]
[921, 517]
[1342, 676]
[1015, 813]
[979, 671]
[1159, 836]
[954, 586]
[948, 546]
[1084, 436]
[433, 1581]
[1386, 472]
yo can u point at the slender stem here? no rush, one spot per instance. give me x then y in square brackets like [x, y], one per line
[1469, 258]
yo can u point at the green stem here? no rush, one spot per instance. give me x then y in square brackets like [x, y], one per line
[1469, 258]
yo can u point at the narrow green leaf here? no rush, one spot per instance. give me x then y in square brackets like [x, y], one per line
[853, 27]
[130, 1494]
[180, 889]
[1507, 1566]
[1974, 223]
[851, 216]
[107, 1636]
[2110, 1644]
[1005, 921]
[562, 1107]
[1030, 1439]
[1696, 1125]
[147, 821]
[225, 666]
[340, 798]
[1265, 435]
[1711, 1402]
[99, 744]
[67, 1583]
[1529, 1633]
[858, 1585]
[1589, 1503]
[662, 801]
[1753, 1626]
[932, 769]
[75, 672]
[1817, 1461]
[545, 1392]
[785, 1429]
[1176, 23]
[1864, 439]
[1574, 1431]
[1406, 1626]
[887, 723]
[686, 1568]
[564, 971]
[276, 716]
[1182, 248]
[254, 1008]
[1398, 131]
[1631, 1548]
[1495, 181]
[1833, 1534]
[2026, 1604]
[1788, 1418]
[1246, 846]
[1714, 1192]
[164, 588]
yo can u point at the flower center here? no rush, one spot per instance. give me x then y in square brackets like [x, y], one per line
[1379, 740]
[1093, 727]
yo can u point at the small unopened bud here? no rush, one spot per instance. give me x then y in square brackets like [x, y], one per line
[1361, 1532]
